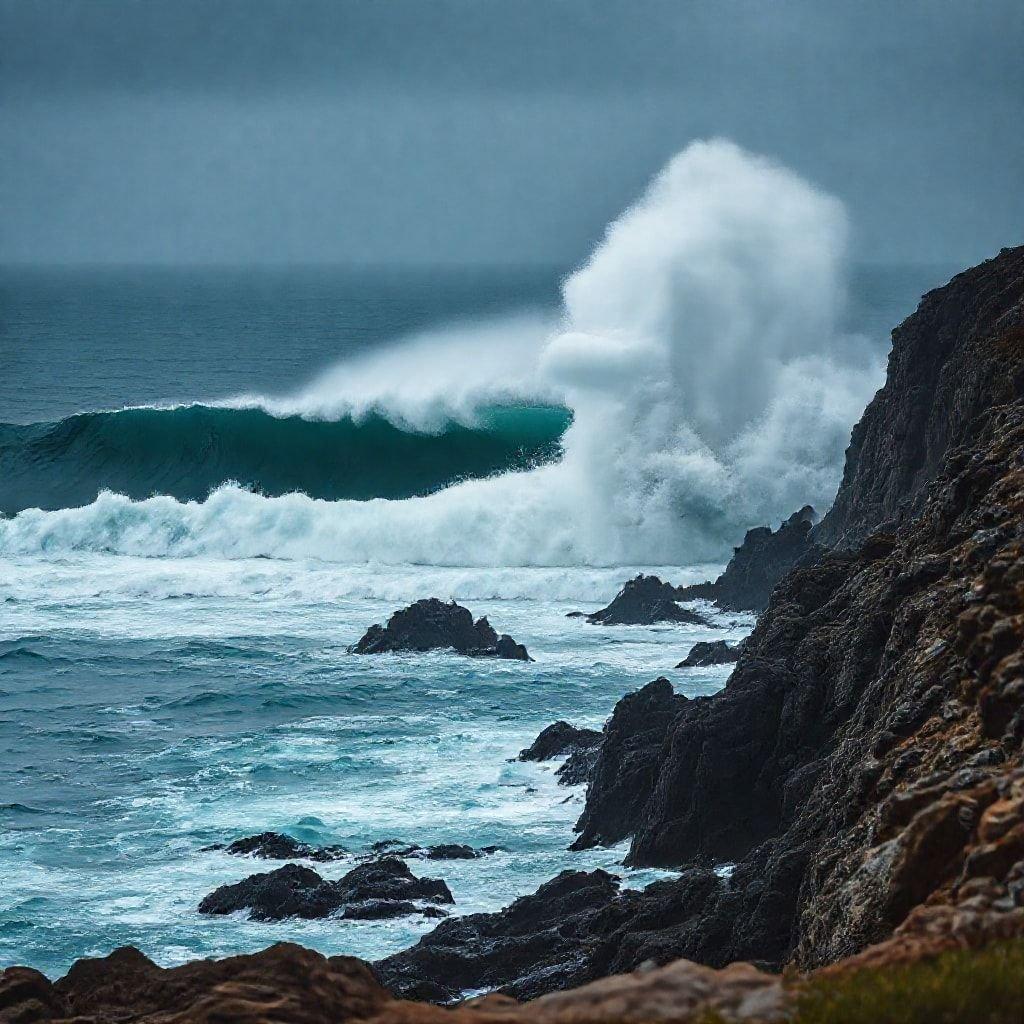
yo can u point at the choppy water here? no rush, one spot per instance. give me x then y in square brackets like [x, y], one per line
[150, 708]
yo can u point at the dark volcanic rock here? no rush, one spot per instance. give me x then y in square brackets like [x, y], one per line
[946, 368]
[431, 624]
[621, 781]
[643, 601]
[560, 738]
[575, 928]
[714, 652]
[277, 846]
[413, 851]
[380, 888]
[758, 564]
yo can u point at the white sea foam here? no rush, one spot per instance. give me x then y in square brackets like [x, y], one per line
[698, 350]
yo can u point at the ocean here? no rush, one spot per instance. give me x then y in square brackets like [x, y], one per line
[213, 480]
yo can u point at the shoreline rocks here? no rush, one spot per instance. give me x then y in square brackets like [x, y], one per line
[278, 846]
[377, 889]
[644, 601]
[560, 738]
[430, 625]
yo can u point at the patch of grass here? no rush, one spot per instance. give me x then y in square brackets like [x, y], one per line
[962, 987]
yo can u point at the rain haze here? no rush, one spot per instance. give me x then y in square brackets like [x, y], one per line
[488, 132]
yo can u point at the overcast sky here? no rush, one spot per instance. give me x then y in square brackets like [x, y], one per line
[489, 130]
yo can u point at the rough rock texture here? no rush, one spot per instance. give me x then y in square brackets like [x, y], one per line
[713, 652]
[758, 564]
[560, 738]
[286, 984]
[622, 779]
[277, 846]
[943, 372]
[380, 888]
[644, 601]
[875, 712]
[431, 624]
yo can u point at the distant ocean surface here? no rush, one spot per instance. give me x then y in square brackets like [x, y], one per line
[212, 482]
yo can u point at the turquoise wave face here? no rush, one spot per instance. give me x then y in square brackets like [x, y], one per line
[186, 452]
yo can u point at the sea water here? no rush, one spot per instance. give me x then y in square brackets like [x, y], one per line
[174, 670]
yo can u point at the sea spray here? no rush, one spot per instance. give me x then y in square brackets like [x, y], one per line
[698, 352]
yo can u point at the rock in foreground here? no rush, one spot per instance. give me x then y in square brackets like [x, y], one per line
[380, 888]
[705, 653]
[430, 625]
[644, 601]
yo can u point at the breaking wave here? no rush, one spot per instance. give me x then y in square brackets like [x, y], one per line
[698, 350]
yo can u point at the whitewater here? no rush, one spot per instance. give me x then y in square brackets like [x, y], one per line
[697, 353]
[183, 565]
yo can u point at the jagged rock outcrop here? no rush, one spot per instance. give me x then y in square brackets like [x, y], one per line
[431, 624]
[956, 357]
[377, 889]
[643, 601]
[764, 557]
[626, 768]
[710, 652]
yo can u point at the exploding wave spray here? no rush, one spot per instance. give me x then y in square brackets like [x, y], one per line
[699, 355]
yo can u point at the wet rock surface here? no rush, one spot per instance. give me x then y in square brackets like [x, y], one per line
[431, 624]
[443, 851]
[644, 601]
[377, 889]
[713, 652]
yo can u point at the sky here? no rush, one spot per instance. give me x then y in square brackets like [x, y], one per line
[489, 131]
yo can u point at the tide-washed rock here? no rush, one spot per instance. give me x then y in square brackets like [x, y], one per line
[764, 557]
[714, 652]
[643, 601]
[278, 846]
[442, 851]
[431, 624]
[379, 888]
[578, 768]
[560, 738]
[626, 767]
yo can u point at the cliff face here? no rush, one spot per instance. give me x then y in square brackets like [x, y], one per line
[874, 718]
[943, 372]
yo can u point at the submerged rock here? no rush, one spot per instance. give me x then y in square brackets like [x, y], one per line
[643, 601]
[377, 889]
[278, 846]
[431, 624]
[714, 652]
